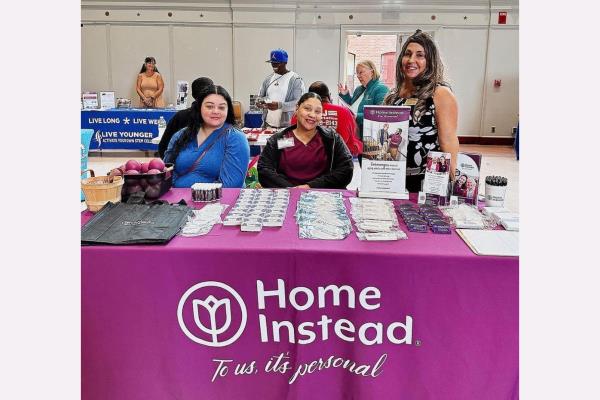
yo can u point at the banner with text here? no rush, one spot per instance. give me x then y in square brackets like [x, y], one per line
[124, 129]
[385, 141]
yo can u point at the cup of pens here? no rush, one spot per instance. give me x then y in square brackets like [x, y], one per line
[495, 190]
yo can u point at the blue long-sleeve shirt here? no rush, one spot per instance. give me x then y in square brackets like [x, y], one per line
[226, 161]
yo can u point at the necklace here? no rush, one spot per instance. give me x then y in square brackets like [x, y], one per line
[275, 83]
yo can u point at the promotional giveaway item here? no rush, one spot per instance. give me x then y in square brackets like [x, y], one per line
[206, 192]
[322, 215]
[422, 217]
[495, 189]
[258, 208]
[124, 223]
[385, 140]
[107, 100]
[201, 221]
[466, 177]
[375, 219]
[437, 176]
[86, 137]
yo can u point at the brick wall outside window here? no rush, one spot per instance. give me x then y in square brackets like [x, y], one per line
[372, 47]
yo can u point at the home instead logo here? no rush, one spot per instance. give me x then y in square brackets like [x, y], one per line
[213, 314]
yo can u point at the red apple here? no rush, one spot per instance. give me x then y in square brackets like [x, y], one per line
[157, 163]
[133, 164]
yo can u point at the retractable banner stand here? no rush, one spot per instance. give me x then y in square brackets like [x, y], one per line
[385, 141]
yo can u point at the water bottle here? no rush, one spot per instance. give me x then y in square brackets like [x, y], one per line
[162, 125]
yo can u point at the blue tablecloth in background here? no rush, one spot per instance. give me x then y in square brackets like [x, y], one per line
[124, 128]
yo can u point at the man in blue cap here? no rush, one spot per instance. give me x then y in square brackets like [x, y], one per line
[280, 91]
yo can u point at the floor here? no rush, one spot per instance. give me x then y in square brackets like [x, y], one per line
[497, 160]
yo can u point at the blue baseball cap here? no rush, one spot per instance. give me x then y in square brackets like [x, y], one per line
[278, 56]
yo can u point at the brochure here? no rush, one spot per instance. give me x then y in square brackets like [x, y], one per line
[466, 182]
[385, 141]
[107, 100]
[89, 100]
[437, 176]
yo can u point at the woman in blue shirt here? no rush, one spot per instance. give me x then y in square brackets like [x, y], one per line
[210, 149]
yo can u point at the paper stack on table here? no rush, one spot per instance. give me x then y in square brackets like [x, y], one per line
[491, 243]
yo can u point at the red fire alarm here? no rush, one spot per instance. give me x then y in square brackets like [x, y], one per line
[502, 17]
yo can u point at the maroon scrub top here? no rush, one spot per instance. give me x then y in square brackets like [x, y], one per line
[303, 162]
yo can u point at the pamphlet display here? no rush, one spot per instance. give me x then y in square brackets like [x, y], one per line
[89, 100]
[107, 100]
[437, 175]
[385, 142]
[466, 182]
[182, 94]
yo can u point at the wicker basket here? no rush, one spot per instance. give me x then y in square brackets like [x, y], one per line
[99, 190]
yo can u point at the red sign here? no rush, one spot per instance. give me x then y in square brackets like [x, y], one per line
[502, 17]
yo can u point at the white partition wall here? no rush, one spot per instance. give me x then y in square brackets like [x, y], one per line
[463, 52]
[94, 61]
[129, 46]
[203, 51]
[315, 61]
[252, 46]
[501, 106]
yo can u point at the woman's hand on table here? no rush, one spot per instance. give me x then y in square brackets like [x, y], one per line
[303, 187]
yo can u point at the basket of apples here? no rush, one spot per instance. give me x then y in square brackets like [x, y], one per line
[155, 178]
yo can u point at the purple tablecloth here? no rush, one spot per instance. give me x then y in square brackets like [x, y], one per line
[454, 315]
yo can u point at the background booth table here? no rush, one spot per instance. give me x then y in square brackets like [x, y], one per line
[124, 128]
[464, 311]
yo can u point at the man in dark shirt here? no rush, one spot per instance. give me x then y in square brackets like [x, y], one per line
[182, 118]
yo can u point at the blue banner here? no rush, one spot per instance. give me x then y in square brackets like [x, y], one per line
[124, 128]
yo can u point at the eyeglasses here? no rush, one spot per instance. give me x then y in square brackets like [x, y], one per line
[363, 72]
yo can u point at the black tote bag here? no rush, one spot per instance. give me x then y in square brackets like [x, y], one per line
[124, 223]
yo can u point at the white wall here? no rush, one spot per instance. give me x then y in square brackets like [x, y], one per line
[230, 40]
[501, 107]
[464, 53]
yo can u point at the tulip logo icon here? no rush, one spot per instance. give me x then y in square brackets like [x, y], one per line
[212, 308]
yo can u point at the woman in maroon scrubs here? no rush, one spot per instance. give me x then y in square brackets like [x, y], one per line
[306, 155]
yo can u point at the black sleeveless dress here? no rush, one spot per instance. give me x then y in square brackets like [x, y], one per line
[422, 138]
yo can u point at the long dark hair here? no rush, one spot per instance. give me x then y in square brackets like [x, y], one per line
[196, 122]
[426, 83]
[147, 60]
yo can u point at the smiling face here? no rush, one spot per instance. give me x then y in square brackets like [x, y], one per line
[414, 61]
[150, 66]
[470, 183]
[461, 180]
[213, 110]
[364, 74]
[309, 113]
[278, 67]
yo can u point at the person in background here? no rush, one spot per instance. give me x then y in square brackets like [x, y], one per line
[434, 110]
[183, 117]
[336, 117]
[209, 149]
[280, 90]
[370, 92]
[384, 134]
[393, 146]
[150, 85]
[306, 155]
